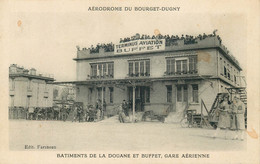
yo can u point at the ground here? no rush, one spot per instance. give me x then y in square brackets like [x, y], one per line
[110, 135]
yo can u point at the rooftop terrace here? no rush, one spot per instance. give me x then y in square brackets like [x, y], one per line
[172, 43]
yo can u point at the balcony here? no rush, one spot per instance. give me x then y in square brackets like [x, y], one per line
[180, 73]
[101, 77]
[146, 74]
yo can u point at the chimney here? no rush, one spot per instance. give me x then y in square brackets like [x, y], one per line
[33, 71]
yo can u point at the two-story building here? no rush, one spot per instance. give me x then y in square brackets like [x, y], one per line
[29, 88]
[156, 75]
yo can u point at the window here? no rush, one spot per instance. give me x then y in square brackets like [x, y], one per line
[99, 70]
[181, 65]
[170, 66]
[169, 93]
[184, 66]
[231, 74]
[99, 93]
[147, 68]
[193, 64]
[12, 84]
[136, 68]
[225, 71]
[178, 66]
[111, 94]
[94, 70]
[147, 94]
[90, 91]
[139, 68]
[102, 70]
[131, 69]
[195, 93]
[221, 66]
[142, 68]
[104, 93]
[228, 71]
[185, 93]
[179, 93]
[12, 100]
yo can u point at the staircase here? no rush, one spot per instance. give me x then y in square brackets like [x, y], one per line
[239, 90]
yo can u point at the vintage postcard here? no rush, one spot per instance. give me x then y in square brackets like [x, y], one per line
[130, 82]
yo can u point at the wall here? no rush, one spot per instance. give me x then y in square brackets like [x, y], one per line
[221, 59]
[40, 94]
[82, 94]
[207, 62]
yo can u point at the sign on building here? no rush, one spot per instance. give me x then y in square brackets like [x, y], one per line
[139, 46]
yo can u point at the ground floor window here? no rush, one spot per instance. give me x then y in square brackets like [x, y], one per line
[90, 90]
[182, 93]
[195, 93]
[99, 91]
[111, 94]
[147, 94]
[169, 93]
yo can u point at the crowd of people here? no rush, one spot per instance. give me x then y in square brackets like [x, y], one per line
[72, 113]
[170, 40]
[40, 113]
[231, 117]
[108, 47]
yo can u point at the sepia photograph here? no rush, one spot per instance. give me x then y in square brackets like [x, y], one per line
[142, 83]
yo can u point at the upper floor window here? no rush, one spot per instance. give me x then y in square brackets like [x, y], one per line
[102, 70]
[221, 67]
[29, 84]
[139, 68]
[11, 84]
[181, 65]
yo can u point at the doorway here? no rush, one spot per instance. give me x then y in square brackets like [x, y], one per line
[182, 97]
[142, 96]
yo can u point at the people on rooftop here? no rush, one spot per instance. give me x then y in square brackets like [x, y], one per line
[169, 40]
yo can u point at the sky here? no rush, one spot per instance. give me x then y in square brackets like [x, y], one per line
[47, 41]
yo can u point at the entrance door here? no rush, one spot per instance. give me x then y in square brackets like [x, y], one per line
[182, 97]
[139, 97]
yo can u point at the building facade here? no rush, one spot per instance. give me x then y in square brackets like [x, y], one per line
[154, 74]
[27, 88]
[63, 93]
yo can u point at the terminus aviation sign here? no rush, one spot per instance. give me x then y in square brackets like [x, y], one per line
[139, 46]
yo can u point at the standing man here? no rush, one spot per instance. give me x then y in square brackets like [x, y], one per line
[224, 116]
[79, 112]
[125, 108]
[98, 109]
[238, 121]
